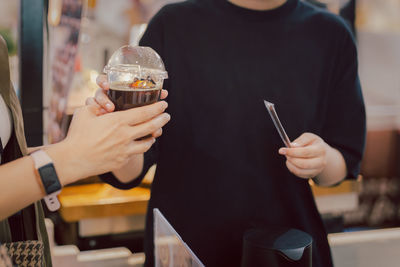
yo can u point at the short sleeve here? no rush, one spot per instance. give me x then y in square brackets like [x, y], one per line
[345, 124]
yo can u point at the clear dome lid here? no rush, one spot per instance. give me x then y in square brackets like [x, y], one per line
[135, 63]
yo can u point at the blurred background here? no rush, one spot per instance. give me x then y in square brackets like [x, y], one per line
[58, 47]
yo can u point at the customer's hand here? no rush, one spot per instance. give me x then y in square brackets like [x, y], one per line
[98, 144]
[101, 99]
[307, 156]
[104, 104]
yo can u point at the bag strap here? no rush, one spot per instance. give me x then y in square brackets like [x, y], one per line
[10, 97]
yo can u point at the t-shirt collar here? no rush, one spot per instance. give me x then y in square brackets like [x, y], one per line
[251, 14]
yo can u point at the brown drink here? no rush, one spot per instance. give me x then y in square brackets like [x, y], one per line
[136, 75]
[124, 96]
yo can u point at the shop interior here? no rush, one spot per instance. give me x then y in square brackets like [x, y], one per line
[57, 48]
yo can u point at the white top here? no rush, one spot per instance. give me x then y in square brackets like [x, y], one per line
[5, 122]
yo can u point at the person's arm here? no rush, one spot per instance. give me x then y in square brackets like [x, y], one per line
[336, 154]
[21, 186]
[149, 159]
[335, 169]
[133, 169]
[134, 166]
[130, 175]
[127, 173]
[94, 145]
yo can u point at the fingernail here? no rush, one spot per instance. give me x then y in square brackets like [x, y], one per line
[108, 106]
[282, 151]
[163, 118]
[165, 104]
[104, 84]
[294, 144]
[167, 116]
[153, 141]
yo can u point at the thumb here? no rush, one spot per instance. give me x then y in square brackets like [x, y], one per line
[304, 140]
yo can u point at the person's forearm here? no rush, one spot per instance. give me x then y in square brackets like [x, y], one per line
[335, 169]
[131, 170]
[21, 187]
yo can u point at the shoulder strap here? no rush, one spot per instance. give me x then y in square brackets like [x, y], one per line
[10, 97]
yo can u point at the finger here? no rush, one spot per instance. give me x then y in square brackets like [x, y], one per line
[302, 152]
[307, 164]
[102, 81]
[164, 94]
[157, 133]
[102, 99]
[149, 127]
[91, 102]
[141, 146]
[304, 139]
[139, 115]
[299, 172]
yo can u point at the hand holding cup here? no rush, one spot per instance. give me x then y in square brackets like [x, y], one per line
[135, 76]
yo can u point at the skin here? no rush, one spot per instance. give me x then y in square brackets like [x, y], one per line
[309, 156]
[134, 166]
[94, 145]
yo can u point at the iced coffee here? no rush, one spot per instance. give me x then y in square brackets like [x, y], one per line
[135, 75]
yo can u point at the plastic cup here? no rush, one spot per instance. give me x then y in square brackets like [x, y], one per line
[135, 75]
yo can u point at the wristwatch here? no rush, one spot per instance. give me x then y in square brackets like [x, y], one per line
[48, 176]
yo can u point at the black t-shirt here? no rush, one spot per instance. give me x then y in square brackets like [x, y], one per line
[218, 168]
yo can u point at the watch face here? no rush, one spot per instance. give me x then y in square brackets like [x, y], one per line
[49, 178]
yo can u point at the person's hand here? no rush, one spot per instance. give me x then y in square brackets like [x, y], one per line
[104, 105]
[98, 144]
[307, 156]
[101, 100]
